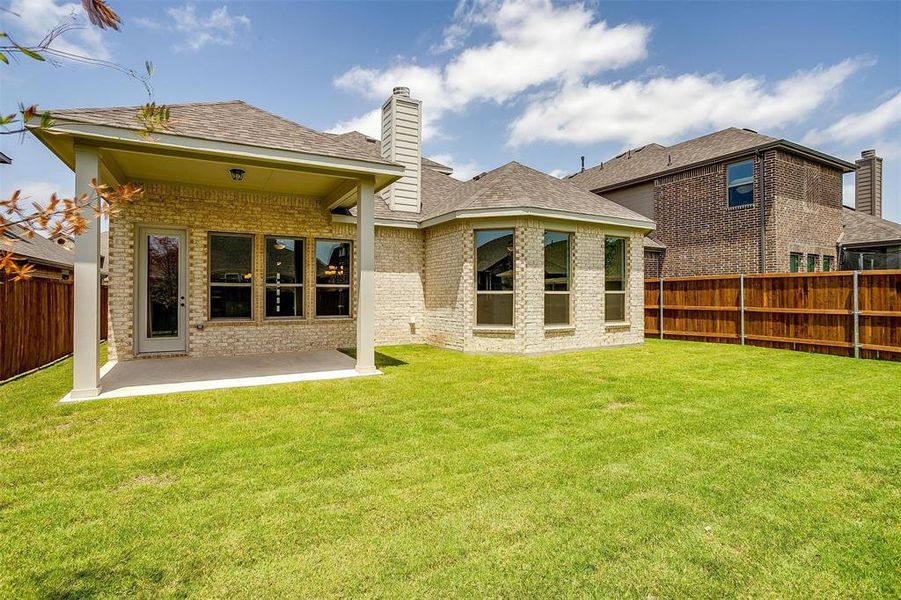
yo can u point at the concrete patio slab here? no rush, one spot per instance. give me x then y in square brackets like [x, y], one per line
[149, 376]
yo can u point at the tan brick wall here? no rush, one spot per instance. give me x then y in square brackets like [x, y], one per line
[424, 279]
[205, 210]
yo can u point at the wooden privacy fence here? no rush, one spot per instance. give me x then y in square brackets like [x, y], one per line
[36, 323]
[851, 313]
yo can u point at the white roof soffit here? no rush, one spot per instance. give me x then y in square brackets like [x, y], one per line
[104, 134]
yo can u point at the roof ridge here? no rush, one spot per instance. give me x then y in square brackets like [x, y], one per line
[138, 106]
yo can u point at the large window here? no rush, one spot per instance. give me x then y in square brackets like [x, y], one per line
[284, 277]
[794, 262]
[494, 277]
[614, 279]
[231, 276]
[333, 263]
[557, 269]
[740, 183]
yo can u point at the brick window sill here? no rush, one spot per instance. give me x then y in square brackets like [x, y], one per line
[493, 330]
[559, 328]
[741, 206]
[618, 325]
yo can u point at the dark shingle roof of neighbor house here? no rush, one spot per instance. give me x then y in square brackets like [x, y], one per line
[5, 160]
[653, 160]
[233, 121]
[863, 228]
[37, 248]
[653, 245]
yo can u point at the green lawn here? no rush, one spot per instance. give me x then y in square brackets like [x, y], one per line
[668, 470]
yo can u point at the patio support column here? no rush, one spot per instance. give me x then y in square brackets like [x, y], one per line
[86, 338]
[366, 277]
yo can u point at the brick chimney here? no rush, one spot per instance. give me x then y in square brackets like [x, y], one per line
[402, 143]
[868, 184]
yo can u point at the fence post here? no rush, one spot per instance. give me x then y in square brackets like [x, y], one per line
[741, 304]
[856, 315]
[660, 307]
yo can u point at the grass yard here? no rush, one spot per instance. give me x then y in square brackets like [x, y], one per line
[669, 470]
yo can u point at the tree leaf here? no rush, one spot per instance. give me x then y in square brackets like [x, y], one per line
[3, 58]
[29, 53]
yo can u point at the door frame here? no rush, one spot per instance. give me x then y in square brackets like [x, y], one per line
[142, 344]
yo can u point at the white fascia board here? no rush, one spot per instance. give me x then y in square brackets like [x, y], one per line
[484, 213]
[507, 212]
[183, 143]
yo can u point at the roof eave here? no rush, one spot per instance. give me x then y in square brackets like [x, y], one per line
[845, 166]
[868, 243]
[485, 213]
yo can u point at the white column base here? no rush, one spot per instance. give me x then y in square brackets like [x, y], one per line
[84, 394]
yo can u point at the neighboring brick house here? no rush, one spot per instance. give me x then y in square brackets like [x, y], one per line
[714, 212]
[256, 235]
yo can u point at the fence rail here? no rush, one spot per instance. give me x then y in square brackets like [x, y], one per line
[36, 323]
[851, 313]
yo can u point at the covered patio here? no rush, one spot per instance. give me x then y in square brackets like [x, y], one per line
[145, 377]
[232, 148]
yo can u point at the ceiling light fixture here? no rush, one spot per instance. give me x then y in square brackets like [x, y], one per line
[237, 174]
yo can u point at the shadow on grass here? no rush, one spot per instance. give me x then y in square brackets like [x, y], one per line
[381, 360]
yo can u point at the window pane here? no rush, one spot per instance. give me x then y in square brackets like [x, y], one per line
[742, 172]
[615, 307]
[741, 195]
[332, 302]
[811, 263]
[556, 261]
[333, 262]
[284, 301]
[494, 260]
[230, 302]
[614, 264]
[494, 309]
[162, 286]
[284, 260]
[827, 264]
[231, 258]
[556, 309]
[794, 262]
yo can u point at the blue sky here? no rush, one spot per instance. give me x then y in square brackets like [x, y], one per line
[524, 80]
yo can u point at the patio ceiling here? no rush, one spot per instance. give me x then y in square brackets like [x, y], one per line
[126, 156]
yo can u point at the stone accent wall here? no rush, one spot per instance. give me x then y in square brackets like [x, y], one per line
[706, 237]
[204, 210]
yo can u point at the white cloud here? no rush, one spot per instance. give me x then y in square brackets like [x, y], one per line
[463, 170]
[559, 173]
[534, 43]
[40, 191]
[38, 17]
[859, 126]
[218, 28]
[660, 109]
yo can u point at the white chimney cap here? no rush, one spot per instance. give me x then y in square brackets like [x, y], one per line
[401, 91]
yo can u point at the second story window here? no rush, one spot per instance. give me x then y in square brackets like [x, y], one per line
[740, 183]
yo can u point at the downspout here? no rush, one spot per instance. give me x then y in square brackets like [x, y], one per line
[762, 243]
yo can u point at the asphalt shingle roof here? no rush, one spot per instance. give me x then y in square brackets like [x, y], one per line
[654, 158]
[37, 248]
[860, 227]
[233, 121]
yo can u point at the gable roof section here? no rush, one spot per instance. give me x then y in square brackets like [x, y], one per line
[654, 160]
[374, 148]
[37, 248]
[233, 121]
[861, 228]
[516, 186]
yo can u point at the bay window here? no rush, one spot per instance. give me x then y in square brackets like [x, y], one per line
[557, 267]
[614, 279]
[494, 277]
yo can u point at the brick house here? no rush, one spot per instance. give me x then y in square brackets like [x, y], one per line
[258, 236]
[47, 259]
[736, 201]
